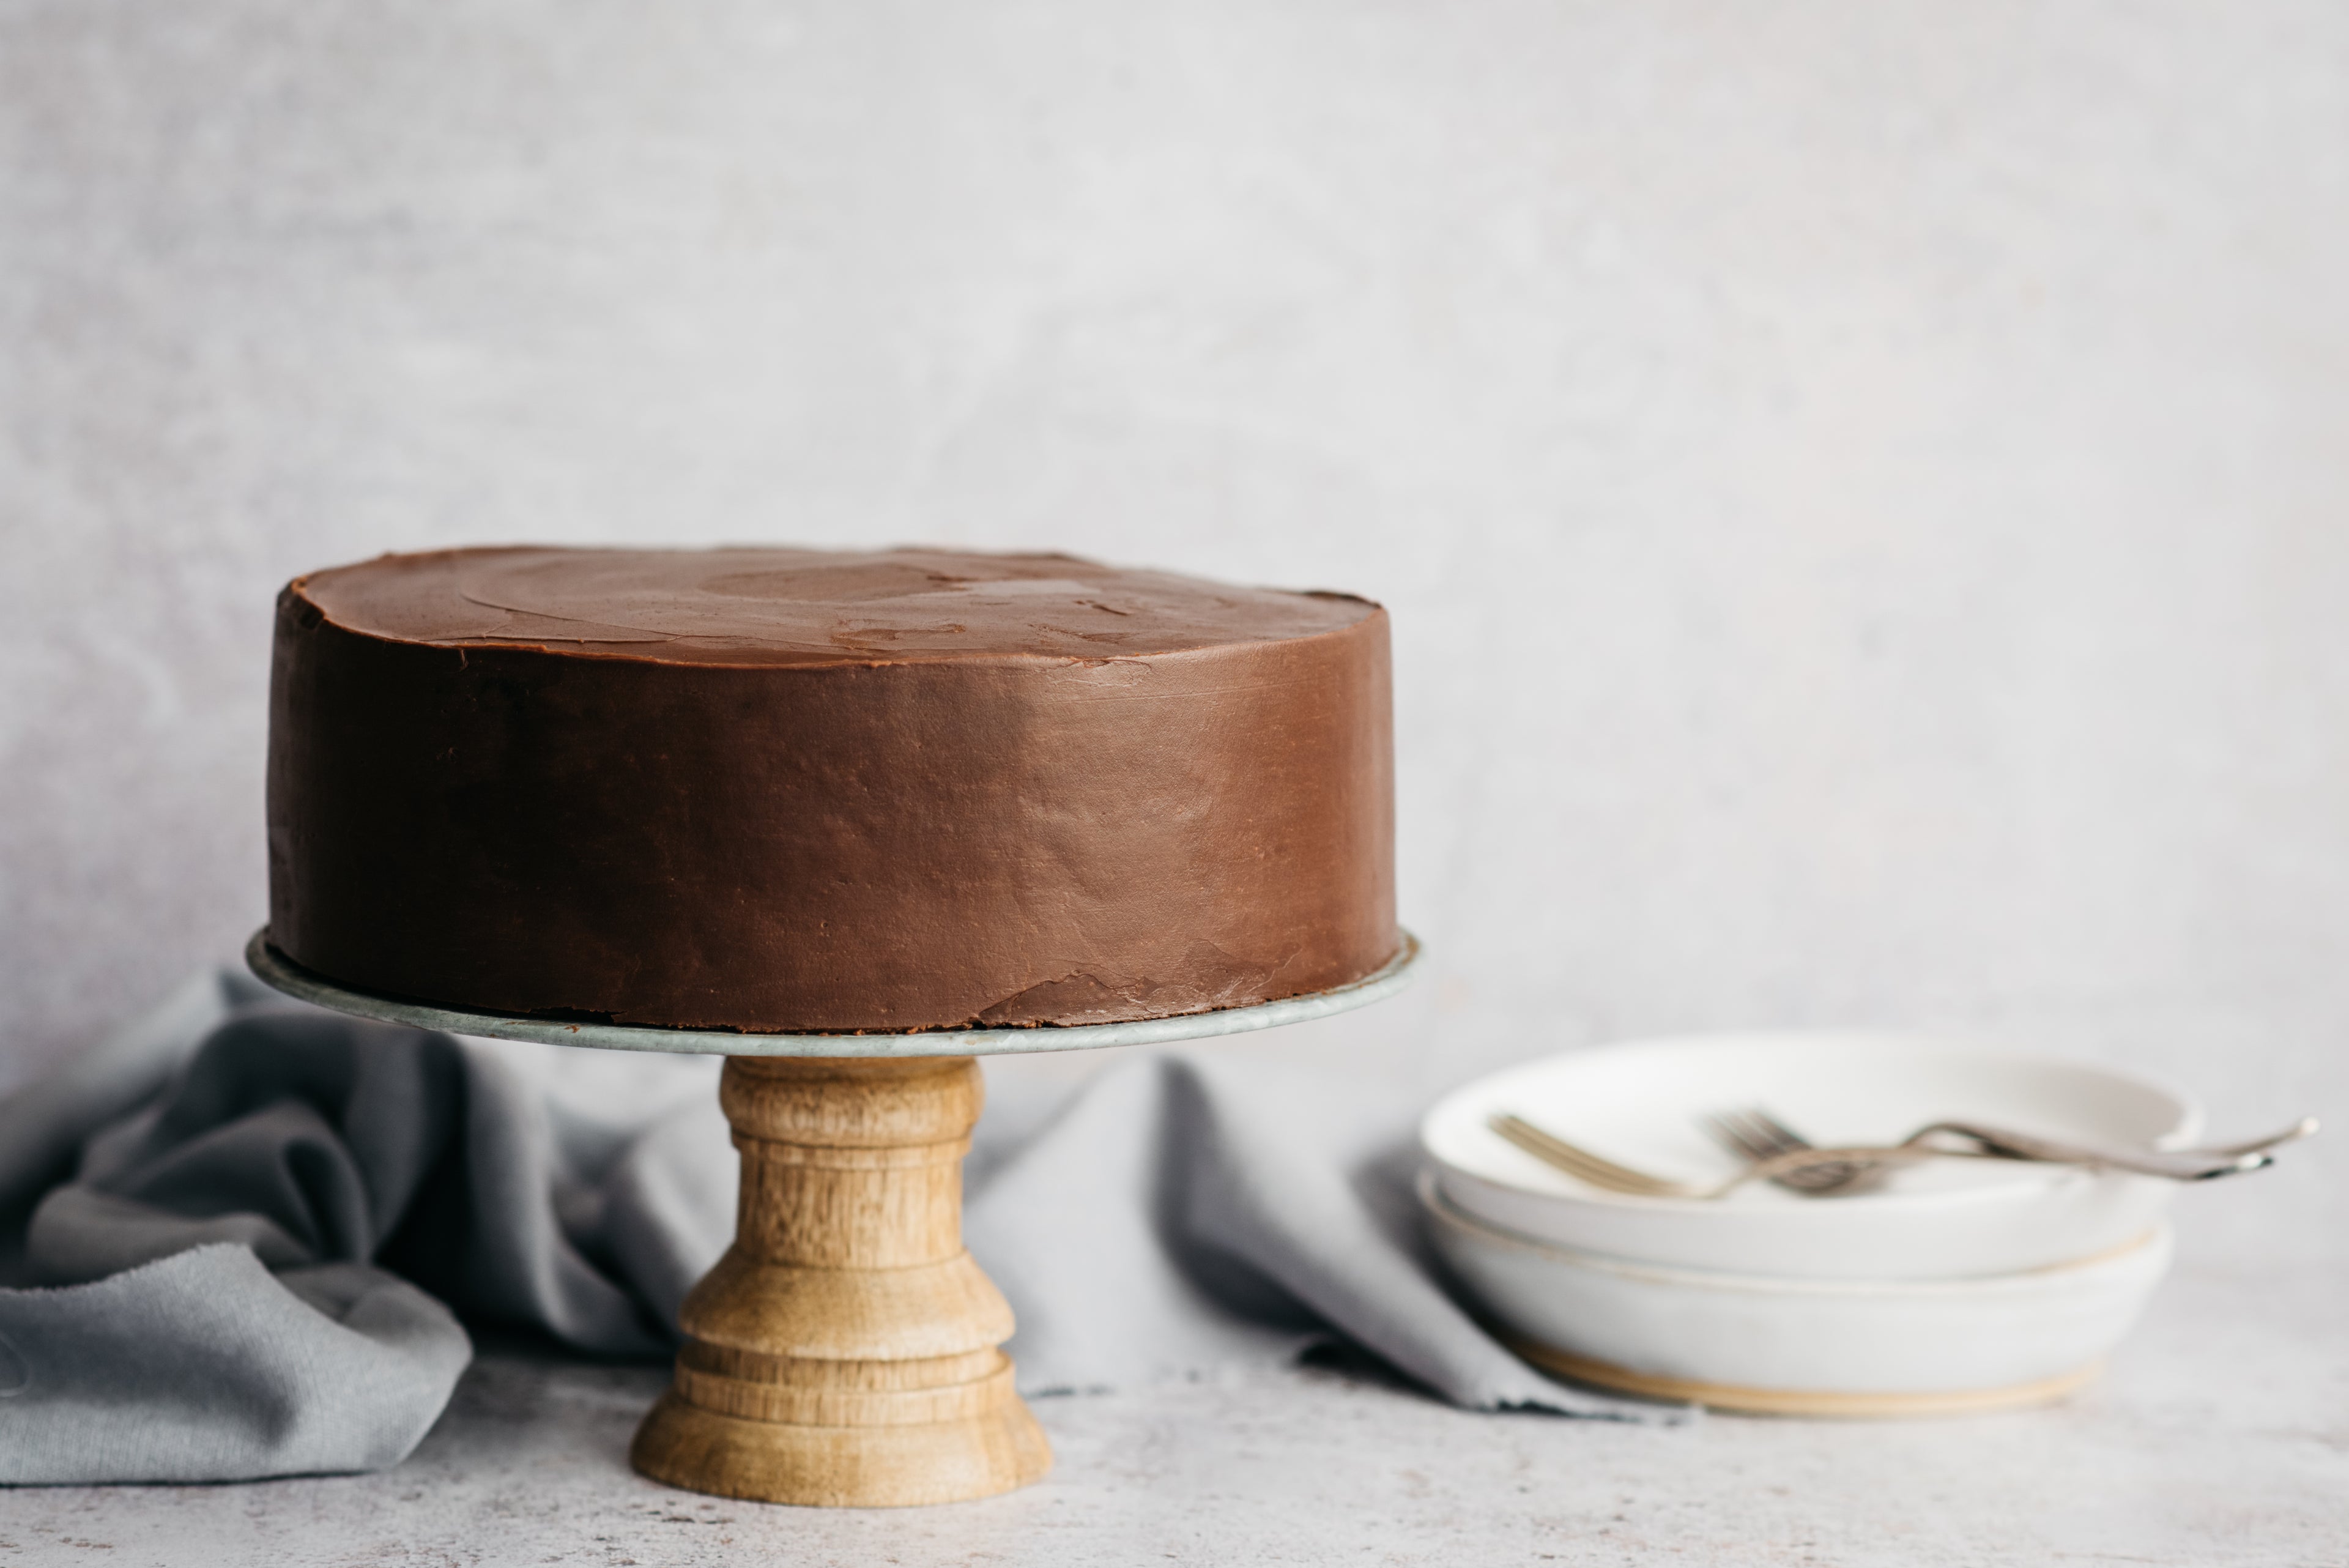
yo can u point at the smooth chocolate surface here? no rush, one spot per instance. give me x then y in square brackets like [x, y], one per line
[770, 789]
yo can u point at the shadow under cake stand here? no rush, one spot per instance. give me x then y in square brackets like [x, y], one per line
[845, 1352]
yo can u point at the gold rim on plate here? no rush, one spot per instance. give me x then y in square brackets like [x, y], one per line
[1799, 1401]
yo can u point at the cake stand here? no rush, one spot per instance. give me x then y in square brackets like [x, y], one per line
[845, 1352]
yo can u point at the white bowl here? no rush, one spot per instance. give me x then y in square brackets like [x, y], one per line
[1643, 1104]
[1805, 1347]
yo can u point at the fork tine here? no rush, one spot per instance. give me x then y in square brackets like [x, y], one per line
[1851, 1177]
[1754, 1133]
[1786, 1137]
[1763, 1136]
[1728, 1132]
[1605, 1173]
[1850, 1170]
[1739, 1133]
[1583, 1165]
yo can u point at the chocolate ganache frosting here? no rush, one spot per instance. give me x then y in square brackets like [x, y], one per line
[780, 789]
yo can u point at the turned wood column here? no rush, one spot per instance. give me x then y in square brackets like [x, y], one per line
[844, 1351]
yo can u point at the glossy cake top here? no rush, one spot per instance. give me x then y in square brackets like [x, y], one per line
[756, 605]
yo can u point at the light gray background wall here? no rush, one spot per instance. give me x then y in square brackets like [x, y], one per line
[1860, 486]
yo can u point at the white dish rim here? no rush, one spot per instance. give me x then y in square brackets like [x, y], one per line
[1431, 1198]
[2026, 1174]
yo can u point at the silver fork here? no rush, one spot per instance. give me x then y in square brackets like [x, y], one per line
[1776, 1150]
[1983, 1143]
[1598, 1171]
[1761, 1138]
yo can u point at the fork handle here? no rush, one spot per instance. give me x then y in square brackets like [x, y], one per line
[2304, 1127]
[2183, 1164]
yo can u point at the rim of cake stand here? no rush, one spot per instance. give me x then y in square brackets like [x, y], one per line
[283, 973]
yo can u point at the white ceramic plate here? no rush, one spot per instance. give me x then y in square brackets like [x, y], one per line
[1823, 1347]
[1643, 1105]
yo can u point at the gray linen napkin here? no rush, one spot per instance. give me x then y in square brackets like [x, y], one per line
[244, 1232]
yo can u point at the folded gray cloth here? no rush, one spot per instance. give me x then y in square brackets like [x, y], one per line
[244, 1231]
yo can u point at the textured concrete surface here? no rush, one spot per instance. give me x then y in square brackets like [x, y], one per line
[2220, 1437]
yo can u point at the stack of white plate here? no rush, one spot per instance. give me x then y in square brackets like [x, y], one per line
[1961, 1284]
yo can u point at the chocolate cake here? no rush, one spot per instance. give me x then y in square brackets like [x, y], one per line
[805, 790]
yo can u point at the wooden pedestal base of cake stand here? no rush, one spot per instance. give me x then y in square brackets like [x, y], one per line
[846, 1351]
